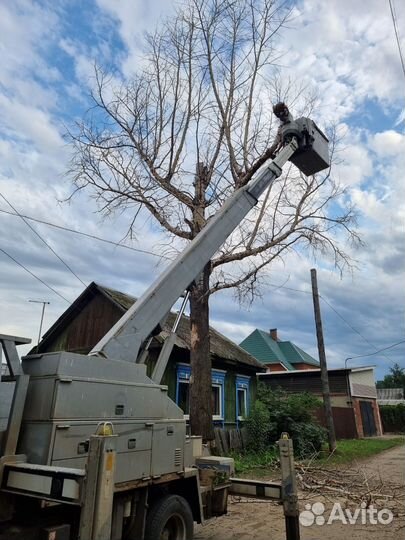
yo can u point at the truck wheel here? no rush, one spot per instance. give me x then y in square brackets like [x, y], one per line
[170, 518]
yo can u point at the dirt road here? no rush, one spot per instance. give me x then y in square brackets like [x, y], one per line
[265, 521]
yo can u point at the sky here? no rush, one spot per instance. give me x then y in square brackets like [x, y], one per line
[347, 52]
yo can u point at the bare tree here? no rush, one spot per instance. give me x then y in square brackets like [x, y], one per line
[192, 126]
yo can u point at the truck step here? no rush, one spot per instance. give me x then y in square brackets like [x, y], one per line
[59, 484]
[256, 489]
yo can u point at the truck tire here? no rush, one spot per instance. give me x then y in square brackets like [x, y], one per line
[170, 518]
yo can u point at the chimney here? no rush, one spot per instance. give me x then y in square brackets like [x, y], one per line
[273, 334]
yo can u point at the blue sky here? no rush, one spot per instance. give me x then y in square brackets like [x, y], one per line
[348, 55]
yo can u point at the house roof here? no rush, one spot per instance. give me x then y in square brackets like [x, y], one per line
[309, 372]
[221, 346]
[301, 373]
[269, 351]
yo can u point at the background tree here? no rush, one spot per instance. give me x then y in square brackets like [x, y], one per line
[192, 126]
[394, 379]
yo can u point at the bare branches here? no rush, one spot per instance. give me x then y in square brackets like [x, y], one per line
[359, 484]
[194, 125]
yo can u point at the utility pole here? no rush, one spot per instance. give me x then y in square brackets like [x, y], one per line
[42, 316]
[322, 359]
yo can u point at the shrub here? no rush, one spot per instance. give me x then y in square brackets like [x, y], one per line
[278, 411]
[258, 427]
[393, 417]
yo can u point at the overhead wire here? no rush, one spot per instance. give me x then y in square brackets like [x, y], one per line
[352, 327]
[138, 250]
[394, 22]
[88, 235]
[337, 313]
[33, 275]
[377, 352]
[43, 240]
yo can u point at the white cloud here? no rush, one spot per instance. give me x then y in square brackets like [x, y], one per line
[356, 165]
[346, 52]
[388, 143]
[134, 19]
[356, 45]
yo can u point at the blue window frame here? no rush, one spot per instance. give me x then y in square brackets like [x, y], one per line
[242, 397]
[218, 391]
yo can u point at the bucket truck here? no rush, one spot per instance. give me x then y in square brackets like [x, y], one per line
[94, 449]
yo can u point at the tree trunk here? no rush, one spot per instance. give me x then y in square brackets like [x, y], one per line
[200, 359]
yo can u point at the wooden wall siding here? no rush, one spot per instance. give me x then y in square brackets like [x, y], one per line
[228, 440]
[310, 382]
[93, 319]
[364, 390]
[230, 398]
[87, 327]
[344, 421]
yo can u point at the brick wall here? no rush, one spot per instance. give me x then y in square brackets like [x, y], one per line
[302, 366]
[275, 367]
[377, 417]
[357, 417]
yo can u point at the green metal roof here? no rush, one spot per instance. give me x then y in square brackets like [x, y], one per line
[268, 351]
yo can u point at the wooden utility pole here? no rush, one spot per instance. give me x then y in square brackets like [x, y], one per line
[324, 368]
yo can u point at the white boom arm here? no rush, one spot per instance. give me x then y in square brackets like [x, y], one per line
[303, 144]
[125, 338]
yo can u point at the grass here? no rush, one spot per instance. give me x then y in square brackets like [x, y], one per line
[259, 463]
[349, 450]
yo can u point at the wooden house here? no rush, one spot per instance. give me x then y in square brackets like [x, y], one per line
[98, 308]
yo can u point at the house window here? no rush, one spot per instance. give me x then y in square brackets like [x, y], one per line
[183, 400]
[242, 403]
[217, 391]
[183, 389]
[218, 394]
[216, 401]
[242, 397]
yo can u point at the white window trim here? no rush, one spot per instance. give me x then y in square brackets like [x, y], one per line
[245, 393]
[219, 416]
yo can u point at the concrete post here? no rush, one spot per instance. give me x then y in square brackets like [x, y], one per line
[97, 502]
[289, 490]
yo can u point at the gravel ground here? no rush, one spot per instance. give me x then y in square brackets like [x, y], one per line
[264, 521]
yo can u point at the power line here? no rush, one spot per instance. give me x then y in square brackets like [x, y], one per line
[117, 244]
[352, 327]
[377, 352]
[338, 314]
[42, 240]
[91, 236]
[394, 22]
[33, 275]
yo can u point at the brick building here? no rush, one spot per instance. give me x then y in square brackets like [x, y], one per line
[353, 396]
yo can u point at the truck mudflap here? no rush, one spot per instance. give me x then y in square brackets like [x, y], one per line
[256, 489]
[57, 484]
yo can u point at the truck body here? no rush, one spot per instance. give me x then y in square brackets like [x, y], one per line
[94, 448]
